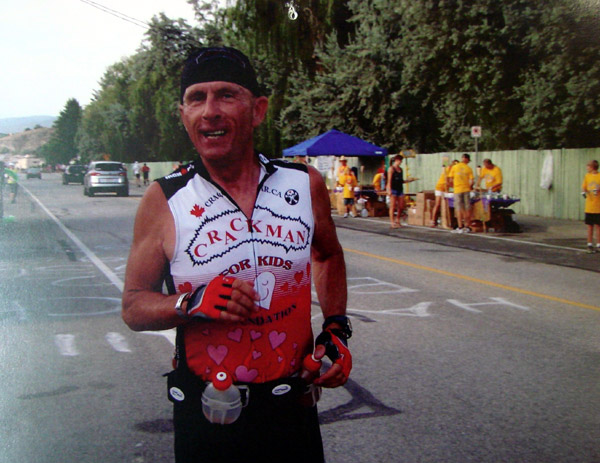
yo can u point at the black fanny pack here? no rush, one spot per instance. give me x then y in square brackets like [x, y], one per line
[185, 387]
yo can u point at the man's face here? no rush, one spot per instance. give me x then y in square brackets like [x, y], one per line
[220, 118]
[466, 160]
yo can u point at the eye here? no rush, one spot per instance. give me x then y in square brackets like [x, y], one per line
[195, 98]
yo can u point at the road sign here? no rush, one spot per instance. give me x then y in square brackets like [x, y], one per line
[476, 131]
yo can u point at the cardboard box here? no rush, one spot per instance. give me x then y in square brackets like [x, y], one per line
[424, 196]
[377, 209]
[445, 214]
[420, 214]
[415, 217]
[339, 202]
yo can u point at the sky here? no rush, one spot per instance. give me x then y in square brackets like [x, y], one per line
[54, 50]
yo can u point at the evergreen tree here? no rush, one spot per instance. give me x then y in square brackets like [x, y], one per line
[62, 146]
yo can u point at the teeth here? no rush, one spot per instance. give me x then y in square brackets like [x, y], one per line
[218, 133]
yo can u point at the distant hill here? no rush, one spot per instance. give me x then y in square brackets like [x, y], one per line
[19, 124]
[25, 142]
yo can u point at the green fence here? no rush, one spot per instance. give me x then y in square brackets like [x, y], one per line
[522, 173]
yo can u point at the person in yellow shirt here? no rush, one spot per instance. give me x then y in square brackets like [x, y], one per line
[12, 179]
[441, 187]
[491, 175]
[348, 182]
[342, 166]
[461, 179]
[591, 192]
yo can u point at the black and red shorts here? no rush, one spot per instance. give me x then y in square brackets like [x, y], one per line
[270, 428]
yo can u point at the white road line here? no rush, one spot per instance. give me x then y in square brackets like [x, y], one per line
[117, 342]
[169, 335]
[66, 345]
[112, 277]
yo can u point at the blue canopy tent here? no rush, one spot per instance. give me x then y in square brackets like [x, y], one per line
[335, 143]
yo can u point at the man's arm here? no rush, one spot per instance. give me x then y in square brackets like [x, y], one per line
[450, 178]
[480, 179]
[328, 267]
[144, 305]
[498, 184]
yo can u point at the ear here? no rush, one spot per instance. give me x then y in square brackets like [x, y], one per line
[261, 105]
[182, 117]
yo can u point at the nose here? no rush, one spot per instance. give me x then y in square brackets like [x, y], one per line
[211, 108]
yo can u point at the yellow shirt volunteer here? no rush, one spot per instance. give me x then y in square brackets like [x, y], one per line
[463, 177]
[591, 185]
[349, 182]
[441, 183]
[491, 177]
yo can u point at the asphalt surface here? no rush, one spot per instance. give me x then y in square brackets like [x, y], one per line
[447, 368]
[551, 241]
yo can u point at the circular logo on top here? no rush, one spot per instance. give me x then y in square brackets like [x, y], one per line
[292, 197]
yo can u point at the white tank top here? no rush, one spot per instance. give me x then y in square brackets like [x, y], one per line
[270, 249]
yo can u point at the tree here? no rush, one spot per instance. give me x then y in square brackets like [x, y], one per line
[561, 83]
[280, 47]
[420, 73]
[62, 146]
[358, 86]
[134, 115]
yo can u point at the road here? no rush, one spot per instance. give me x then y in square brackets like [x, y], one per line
[459, 355]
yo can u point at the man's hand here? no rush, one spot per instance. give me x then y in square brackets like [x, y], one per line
[327, 343]
[224, 298]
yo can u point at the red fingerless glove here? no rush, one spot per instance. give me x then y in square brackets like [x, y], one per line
[336, 349]
[210, 300]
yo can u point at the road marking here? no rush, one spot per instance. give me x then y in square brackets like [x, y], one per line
[117, 341]
[418, 310]
[66, 345]
[169, 335]
[112, 277]
[472, 279]
[375, 286]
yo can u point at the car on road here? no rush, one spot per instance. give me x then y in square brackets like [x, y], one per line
[73, 174]
[106, 177]
[34, 172]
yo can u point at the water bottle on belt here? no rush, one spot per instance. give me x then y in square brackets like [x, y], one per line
[221, 400]
[312, 393]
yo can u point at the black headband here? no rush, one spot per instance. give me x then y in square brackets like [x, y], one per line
[219, 64]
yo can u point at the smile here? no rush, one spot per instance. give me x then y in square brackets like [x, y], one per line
[214, 134]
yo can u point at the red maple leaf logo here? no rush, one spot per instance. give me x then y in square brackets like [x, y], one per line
[197, 211]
